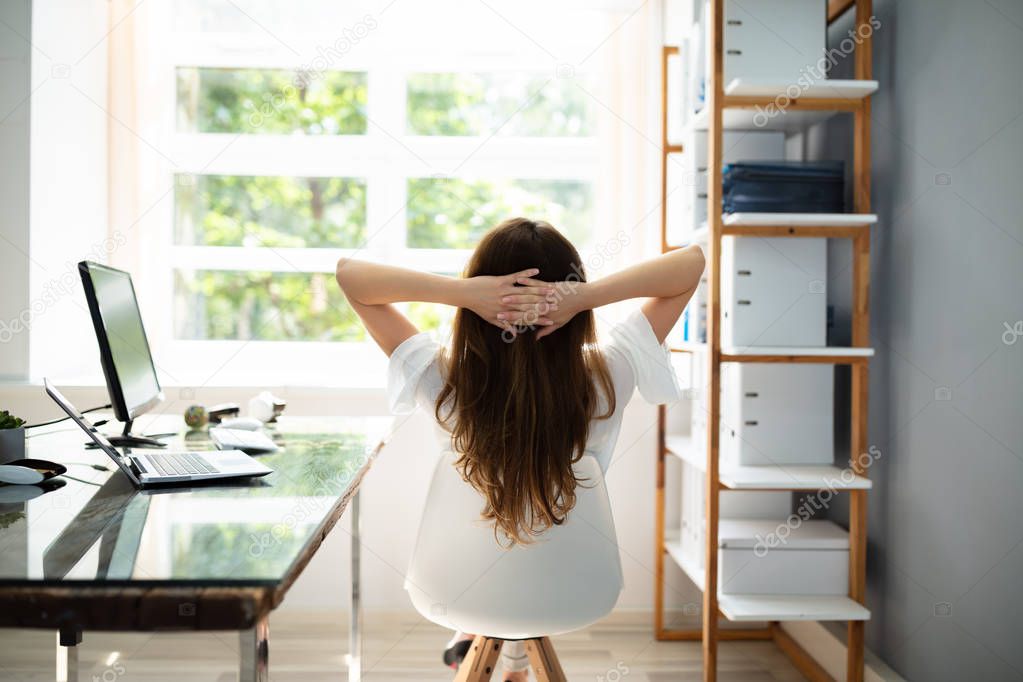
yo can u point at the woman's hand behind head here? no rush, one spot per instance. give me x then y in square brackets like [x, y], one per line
[551, 311]
[508, 301]
[570, 300]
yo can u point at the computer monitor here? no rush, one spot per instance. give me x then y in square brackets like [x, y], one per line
[123, 347]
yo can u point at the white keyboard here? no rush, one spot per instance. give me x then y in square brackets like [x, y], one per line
[238, 439]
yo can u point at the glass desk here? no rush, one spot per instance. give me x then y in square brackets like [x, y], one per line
[94, 553]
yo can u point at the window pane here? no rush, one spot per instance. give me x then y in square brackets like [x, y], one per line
[275, 101]
[450, 213]
[432, 317]
[262, 306]
[505, 103]
[239, 210]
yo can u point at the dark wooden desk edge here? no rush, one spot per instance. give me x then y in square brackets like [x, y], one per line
[128, 608]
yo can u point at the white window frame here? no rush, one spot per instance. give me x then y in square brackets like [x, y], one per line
[385, 157]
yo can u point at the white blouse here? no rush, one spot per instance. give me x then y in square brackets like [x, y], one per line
[633, 356]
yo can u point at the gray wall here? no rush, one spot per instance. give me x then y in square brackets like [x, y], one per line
[15, 78]
[945, 562]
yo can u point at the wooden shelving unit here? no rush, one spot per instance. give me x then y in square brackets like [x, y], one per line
[731, 106]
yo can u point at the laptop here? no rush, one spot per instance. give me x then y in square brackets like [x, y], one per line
[159, 468]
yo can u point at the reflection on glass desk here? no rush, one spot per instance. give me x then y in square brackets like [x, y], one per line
[218, 555]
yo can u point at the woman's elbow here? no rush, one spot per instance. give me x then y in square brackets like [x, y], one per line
[342, 269]
[698, 262]
[343, 274]
[355, 279]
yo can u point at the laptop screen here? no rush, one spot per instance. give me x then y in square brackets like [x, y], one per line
[98, 438]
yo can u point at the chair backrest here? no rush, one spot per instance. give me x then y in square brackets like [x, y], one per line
[461, 578]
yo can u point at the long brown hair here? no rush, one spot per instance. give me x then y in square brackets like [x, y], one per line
[518, 409]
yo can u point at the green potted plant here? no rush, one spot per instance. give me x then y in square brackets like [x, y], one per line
[12, 437]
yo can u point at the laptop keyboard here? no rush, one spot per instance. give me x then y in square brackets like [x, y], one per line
[179, 464]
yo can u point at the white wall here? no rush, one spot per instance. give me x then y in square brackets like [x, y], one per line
[946, 512]
[15, 88]
[68, 179]
[52, 151]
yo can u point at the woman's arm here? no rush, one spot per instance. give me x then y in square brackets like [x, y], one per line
[371, 288]
[668, 281]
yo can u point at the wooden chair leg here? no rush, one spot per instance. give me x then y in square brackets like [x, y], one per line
[480, 661]
[544, 660]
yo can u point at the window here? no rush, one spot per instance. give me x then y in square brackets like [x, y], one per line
[292, 145]
[284, 212]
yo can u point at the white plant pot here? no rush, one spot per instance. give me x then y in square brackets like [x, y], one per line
[12, 444]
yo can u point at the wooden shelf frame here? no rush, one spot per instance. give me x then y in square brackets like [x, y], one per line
[806, 231]
[667, 147]
[810, 225]
[794, 104]
[796, 358]
[711, 352]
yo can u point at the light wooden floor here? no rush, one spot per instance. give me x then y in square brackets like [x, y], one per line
[310, 647]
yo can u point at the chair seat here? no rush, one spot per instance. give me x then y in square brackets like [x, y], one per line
[462, 579]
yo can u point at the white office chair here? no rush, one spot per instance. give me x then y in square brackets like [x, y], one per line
[462, 579]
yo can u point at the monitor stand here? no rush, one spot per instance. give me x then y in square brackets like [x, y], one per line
[129, 440]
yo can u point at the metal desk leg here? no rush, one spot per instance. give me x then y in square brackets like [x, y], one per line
[254, 652]
[355, 614]
[68, 640]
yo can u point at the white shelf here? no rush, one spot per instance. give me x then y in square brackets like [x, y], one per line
[684, 448]
[770, 607]
[812, 351]
[792, 120]
[780, 351]
[778, 477]
[799, 219]
[688, 566]
[783, 477]
[760, 607]
[838, 88]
